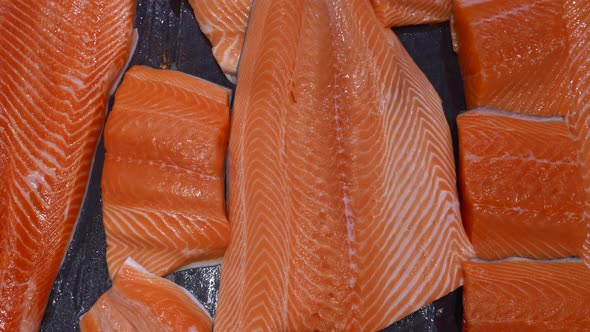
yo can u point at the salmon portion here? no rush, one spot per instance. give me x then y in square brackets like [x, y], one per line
[140, 301]
[163, 178]
[578, 117]
[513, 55]
[397, 13]
[58, 62]
[524, 295]
[521, 185]
[342, 195]
[224, 23]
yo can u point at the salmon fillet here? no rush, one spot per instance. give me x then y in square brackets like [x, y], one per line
[224, 23]
[140, 301]
[342, 193]
[513, 54]
[524, 295]
[397, 13]
[521, 185]
[58, 62]
[578, 118]
[163, 178]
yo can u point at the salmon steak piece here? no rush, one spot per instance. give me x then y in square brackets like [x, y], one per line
[59, 61]
[526, 295]
[521, 185]
[163, 177]
[342, 186]
[578, 118]
[397, 13]
[224, 23]
[140, 301]
[513, 55]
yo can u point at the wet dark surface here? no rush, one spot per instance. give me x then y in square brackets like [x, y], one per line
[170, 38]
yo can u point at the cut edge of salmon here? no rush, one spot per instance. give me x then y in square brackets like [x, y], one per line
[577, 18]
[133, 46]
[200, 264]
[204, 88]
[394, 15]
[496, 112]
[526, 259]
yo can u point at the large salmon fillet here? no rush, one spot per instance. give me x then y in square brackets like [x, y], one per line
[526, 295]
[342, 192]
[521, 185]
[140, 301]
[577, 16]
[396, 13]
[513, 55]
[224, 23]
[58, 62]
[163, 179]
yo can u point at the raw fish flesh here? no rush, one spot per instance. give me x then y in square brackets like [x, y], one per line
[59, 61]
[513, 54]
[342, 189]
[397, 13]
[578, 118]
[140, 301]
[521, 185]
[163, 178]
[532, 57]
[224, 23]
[526, 295]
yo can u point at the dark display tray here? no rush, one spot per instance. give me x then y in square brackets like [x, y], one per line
[170, 38]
